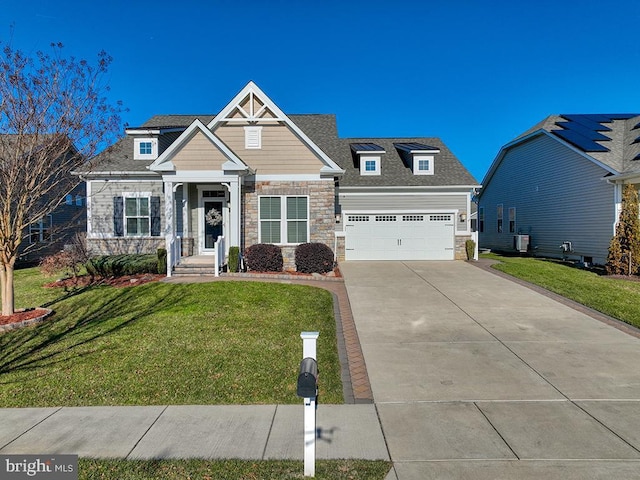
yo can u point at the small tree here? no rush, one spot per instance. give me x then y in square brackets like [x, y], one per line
[53, 117]
[624, 249]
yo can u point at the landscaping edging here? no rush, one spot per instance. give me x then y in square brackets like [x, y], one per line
[25, 323]
[282, 276]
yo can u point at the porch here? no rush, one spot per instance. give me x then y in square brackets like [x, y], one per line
[194, 265]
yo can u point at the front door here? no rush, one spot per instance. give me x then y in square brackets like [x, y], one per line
[212, 222]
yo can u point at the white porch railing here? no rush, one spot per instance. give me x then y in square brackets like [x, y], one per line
[174, 253]
[475, 238]
[219, 255]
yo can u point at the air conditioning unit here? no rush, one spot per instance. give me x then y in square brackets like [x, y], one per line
[521, 243]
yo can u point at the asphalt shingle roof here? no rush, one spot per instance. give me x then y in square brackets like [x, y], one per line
[322, 130]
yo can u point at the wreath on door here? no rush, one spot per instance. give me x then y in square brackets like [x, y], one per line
[213, 217]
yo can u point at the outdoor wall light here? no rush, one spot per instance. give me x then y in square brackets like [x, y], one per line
[463, 217]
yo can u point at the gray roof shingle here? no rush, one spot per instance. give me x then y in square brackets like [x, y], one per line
[322, 130]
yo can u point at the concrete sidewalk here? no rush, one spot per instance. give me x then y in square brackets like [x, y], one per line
[477, 377]
[252, 432]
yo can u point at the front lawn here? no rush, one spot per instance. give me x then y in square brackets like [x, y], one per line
[618, 298]
[229, 469]
[159, 343]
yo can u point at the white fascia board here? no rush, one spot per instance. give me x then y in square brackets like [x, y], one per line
[370, 152]
[116, 174]
[152, 131]
[505, 148]
[622, 177]
[199, 176]
[252, 87]
[418, 152]
[289, 178]
[327, 170]
[414, 188]
[163, 162]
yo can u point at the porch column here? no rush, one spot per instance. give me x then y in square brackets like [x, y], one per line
[235, 213]
[168, 226]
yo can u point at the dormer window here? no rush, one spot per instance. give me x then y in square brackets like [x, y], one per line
[418, 157]
[369, 157]
[423, 165]
[253, 137]
[145, 148]
[369, 165]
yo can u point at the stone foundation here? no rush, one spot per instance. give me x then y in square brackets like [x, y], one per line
[122, 245]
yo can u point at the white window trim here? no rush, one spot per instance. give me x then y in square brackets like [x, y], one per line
[144, 156]
[416, 163]
[283, 219]
[363, 161]
[126, 195]
[252, 137]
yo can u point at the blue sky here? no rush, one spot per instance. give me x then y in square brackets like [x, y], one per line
[474, 73]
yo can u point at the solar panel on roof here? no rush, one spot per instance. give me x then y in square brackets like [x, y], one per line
[580, 141]
[584, 131]
[413, 147]
[587, 122]
[366, 147]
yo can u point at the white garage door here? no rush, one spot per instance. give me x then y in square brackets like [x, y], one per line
[424, 236]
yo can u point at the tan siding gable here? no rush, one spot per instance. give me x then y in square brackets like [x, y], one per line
[282, 151]
[199, 154]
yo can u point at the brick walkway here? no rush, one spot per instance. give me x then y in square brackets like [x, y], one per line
[355, 380]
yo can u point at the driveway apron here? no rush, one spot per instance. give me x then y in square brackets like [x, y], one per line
[475, 376]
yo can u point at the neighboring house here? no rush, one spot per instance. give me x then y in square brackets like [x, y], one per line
[50, 233]
[54, 232]
[560, 184]
[269, 177]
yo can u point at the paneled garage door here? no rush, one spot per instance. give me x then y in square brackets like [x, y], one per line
[424, 236]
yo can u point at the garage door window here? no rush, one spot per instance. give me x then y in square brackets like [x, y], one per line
[284, 218]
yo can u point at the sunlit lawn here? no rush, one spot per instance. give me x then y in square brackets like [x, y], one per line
[159, 343]
[229, 470]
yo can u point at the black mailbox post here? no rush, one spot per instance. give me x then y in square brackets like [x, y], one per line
[308, 378]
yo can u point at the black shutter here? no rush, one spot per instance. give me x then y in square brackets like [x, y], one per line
[155, 216]
[118, 216]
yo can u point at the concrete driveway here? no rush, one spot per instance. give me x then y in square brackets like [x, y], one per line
[477, 377]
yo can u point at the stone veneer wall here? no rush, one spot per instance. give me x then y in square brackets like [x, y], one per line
[321, 212]
[461, 249]
[121, 245]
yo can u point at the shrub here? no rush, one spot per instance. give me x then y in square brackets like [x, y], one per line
[119, 265]
[470, 246]
[162, 260]
[624, 249]
[264, 257]
[234, 258]
[62, 262]
[314, 258]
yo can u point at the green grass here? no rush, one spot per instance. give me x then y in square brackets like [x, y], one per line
[228, 470]
[159, 343]
[615, 297]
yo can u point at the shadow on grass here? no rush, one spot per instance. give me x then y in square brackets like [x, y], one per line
[95, 316]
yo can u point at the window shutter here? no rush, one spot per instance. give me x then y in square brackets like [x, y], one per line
[118, 216]
[155, 216]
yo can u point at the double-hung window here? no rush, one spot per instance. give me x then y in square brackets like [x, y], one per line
[284, 219]
[40, 231]
[137, 218]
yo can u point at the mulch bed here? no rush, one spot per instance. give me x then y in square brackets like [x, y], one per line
[23, 315]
